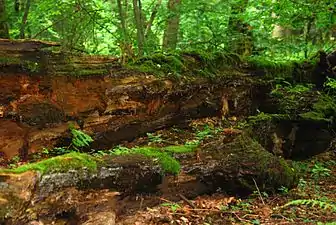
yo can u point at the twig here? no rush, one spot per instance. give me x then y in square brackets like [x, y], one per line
[187, 201]
[255, 183]
[165, 200]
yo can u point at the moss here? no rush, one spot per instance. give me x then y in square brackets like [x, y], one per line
[276, 170]
[314, 116]
[62, 163]
[272, 68]
[188, 63]
[168, 163]
[180, 148]
[9, 60]
[159, 64]
[266, 117]
[324, 109]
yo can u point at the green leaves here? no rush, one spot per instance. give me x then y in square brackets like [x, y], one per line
[80, 139]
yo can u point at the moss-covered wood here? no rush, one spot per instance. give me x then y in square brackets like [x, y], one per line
[231, 166]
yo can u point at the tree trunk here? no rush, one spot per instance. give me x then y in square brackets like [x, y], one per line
[170, 37]
[3, 21]
[152, 17]
[140, 26]
[24, 20]
[125, 44]
[231, 163]
[240, 30]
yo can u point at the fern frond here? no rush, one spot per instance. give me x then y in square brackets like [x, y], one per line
[313, 203]
[80, 139]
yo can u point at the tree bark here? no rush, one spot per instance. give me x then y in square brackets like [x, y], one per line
[140, 26]
[125, 45]
[152, 17]
[4, 33]
[170, 37]
[232, 163]
[24, 20]
[240, 30]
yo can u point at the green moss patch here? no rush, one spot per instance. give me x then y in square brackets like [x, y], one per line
[180, 148]
[164, 155]
[192, 63]
[62, 163]
[168, 163]
[324, 109]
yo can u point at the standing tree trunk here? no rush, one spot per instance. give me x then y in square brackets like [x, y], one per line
[240, 31]
[24, 20]
[3, 21]
[170, 36]
[125, 44]
[152, 17]
[140, 26]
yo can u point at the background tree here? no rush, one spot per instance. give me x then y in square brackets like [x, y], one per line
[173, 23]
[279, 30]
[139, 22]
[3, 20]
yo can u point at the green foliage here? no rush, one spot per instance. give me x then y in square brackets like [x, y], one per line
[328, 223]
[163, 154]
[62, 163]
[154, 138]
[206, 132]
[322, 110]
[168, 163]
[57, 151]
[189, 147]
[79, 138]
[330, 85]
[319, 171]
[265, 118]
[173, 206]
[284, 190]
[244, 27]
[313, 203]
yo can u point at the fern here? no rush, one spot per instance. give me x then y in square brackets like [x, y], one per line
[313, 203]
[80, 139]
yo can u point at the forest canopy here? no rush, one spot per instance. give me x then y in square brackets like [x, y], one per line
[278, 29]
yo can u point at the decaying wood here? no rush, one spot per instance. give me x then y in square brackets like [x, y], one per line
[233, 164]
[43, 92]
[25, 45]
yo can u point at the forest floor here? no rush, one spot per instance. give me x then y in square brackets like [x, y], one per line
[317, 186]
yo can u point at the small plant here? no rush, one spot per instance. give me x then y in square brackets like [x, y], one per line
[173, 206]
[283, 190]
[330, 223]
[319, 171]
[312, 202]
[14, 161]
[255, 222]
[205, 133]
[330, 85]
[79, 138]
[302, 184]
[154, 138]
[119, 150]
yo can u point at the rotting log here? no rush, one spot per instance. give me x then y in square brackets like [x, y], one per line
[42, 92]
[73, 184]
[232, 163]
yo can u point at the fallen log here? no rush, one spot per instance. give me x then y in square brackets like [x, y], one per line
[72, 183]
[232, 164]
[43, 92]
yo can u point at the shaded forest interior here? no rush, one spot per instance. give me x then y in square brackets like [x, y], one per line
[167, 112]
